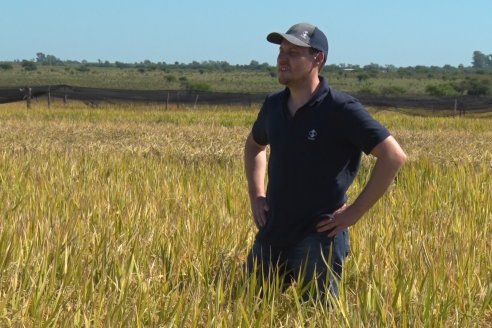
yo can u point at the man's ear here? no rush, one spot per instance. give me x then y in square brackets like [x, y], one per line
[320, 58]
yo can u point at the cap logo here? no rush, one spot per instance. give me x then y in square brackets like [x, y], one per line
[305, 35]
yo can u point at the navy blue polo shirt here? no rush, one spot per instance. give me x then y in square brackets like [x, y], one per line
[314, 158]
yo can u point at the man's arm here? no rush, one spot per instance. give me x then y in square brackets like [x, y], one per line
[255, 164]
[390, 157]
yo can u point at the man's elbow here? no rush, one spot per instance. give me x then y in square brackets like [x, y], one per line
[390, 151]
[400, 157]
[396, 155]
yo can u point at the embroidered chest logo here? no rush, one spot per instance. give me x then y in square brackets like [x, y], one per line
[312, 135]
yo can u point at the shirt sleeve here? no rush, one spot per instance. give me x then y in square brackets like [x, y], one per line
[259, 130]
[360, 128]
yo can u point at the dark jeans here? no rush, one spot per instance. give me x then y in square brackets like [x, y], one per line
[316, 262]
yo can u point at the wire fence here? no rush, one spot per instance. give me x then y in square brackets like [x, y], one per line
[97, 96]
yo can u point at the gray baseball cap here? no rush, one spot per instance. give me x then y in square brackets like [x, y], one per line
[303, 35]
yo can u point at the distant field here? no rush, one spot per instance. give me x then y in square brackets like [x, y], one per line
[133, 79]
[139, 217]
[231, 80]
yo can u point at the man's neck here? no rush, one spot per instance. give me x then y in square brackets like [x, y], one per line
[301, 94]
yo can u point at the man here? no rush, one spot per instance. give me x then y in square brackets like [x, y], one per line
[316, 137]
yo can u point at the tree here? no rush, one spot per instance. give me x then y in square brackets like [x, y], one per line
[52, 60]
[254, 64]
[40, 57]
[121, 65]
[43, 59]
[481, 60]
[372, 70]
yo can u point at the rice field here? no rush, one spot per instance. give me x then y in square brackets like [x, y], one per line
[139, 217]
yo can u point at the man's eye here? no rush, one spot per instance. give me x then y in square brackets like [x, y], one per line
[290, 53]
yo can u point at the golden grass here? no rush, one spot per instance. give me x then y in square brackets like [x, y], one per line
[139, 217]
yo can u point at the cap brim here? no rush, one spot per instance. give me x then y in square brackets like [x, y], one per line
[277, 38]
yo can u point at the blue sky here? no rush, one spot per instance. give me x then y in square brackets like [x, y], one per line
[400, 33]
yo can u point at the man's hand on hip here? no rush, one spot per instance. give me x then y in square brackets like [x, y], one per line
[259, 207]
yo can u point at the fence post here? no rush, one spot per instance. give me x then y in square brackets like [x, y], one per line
[49, 97]
[167, 101]
[29, 95]
[196, 101]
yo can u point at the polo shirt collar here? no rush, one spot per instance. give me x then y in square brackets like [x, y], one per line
[318, 96]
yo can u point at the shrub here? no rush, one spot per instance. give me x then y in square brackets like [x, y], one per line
[476, 87]
[196, 86]
[362, 77]
[392, 91]
[367, 91]
[28, 65]
[473, 87]
[170, 78]
[83, 68]
[6, 66]
[441, 90]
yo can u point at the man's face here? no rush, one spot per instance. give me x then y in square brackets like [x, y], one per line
[295, 64]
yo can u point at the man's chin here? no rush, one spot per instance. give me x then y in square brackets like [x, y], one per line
[283, 80]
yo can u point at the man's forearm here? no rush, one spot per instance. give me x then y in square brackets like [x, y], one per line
[255, 167]
[390, 158]
[382, 176]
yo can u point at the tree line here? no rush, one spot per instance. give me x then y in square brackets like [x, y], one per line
[479, 61]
